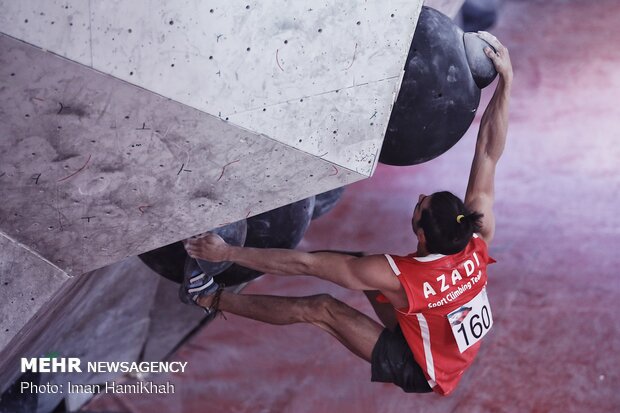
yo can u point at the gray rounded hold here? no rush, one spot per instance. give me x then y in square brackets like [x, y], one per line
[282, 227]
[481, 67]
[171, 261]
[233, 234]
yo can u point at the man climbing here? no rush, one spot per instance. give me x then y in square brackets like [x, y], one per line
[433, 302]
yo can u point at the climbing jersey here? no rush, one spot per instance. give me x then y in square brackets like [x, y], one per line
[447, 303]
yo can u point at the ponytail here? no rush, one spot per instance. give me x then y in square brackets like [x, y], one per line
[448, 225]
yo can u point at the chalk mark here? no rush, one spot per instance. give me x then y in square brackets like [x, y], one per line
[143, 127]
[62, 107]
[353, 59]
[278, 60]
[60, 227]
[79, 170]
[224, 168]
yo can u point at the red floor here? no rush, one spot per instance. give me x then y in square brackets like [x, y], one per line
[555, 346]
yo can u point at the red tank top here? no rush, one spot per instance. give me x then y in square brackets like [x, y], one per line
[435, 286]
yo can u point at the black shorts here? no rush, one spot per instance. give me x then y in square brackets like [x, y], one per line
[393, 362]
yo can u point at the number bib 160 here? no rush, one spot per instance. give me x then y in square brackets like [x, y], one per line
[471, 321]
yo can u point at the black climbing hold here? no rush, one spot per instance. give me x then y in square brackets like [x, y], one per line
[326, 201]
[168, 261]
[438, 97]
[479, 14]
[283, 227]
[17, 399]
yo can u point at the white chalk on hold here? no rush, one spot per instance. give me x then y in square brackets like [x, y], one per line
[601, 377]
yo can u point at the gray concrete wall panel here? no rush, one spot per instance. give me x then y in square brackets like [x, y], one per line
[57, 25]
[94, 170]
[231, 58]
[27, 282]
[336, 125]
[152, 121]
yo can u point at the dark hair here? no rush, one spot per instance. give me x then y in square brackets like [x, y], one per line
[443, 233]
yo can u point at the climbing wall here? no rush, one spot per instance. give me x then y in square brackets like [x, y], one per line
[318, 77]
[125, 126]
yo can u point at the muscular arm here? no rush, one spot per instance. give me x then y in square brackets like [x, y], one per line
[491, 141]
[355, 273]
